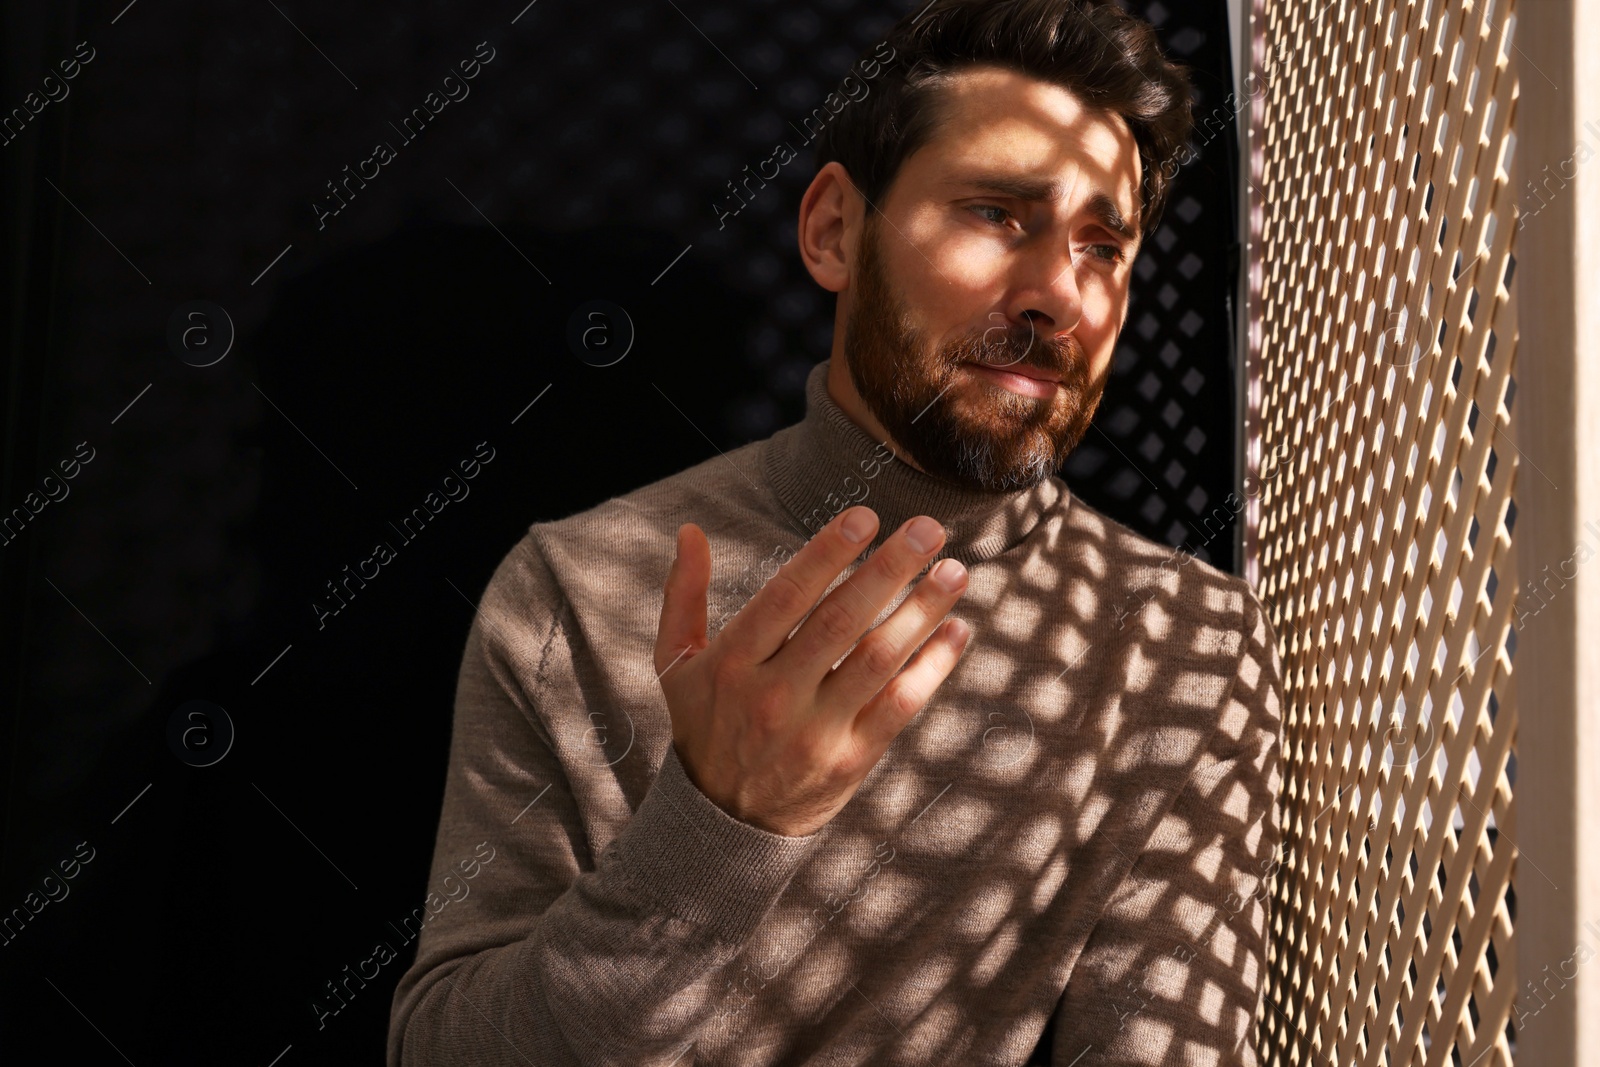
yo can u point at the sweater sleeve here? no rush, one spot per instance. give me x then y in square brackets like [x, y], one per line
[544, 956]
[1173, 973]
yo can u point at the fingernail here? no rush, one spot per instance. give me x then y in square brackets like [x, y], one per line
[949, 574]
[958, 632]
[858, 524]
[924, 534]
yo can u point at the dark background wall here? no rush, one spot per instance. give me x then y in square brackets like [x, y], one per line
[368, 356]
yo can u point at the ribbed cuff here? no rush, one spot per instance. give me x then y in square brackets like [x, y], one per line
[702, 864]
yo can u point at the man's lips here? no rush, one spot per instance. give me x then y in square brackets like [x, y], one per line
[1020, 379]
[1026, 370]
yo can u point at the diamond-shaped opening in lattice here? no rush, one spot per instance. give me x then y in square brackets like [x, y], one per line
[1425, 711]
[1124, 484]
[1427, 396]
[1087, 462]
[1436, 760]
[1150, 447]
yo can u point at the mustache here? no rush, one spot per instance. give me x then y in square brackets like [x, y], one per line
[1013, 346]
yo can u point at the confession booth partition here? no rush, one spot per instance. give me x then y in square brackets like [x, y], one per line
[1417, 474]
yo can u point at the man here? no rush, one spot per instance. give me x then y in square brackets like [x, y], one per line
[764, 797]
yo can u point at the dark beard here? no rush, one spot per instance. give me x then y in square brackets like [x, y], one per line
[975, 433]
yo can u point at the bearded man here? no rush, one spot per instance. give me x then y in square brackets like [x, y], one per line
[977, 774]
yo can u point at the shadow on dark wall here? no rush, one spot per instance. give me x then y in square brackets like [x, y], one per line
[411, 359]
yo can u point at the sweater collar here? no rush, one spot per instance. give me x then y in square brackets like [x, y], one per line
[826, 463]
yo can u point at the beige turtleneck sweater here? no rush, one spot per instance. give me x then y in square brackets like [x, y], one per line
[1076, 827]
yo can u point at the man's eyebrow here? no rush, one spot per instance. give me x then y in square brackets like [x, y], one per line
[1044, 190]
[1103, 208]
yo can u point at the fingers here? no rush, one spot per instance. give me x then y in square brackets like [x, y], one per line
[760, 629]
[885, 649]
[885, 715]
[682, 629]
[841, 619]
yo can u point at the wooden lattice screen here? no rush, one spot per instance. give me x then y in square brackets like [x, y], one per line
[1379, 520]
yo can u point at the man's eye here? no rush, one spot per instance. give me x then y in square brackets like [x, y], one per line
[1109, 253]
[1000, 213]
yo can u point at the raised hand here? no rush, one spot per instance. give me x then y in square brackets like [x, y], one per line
[764, 723]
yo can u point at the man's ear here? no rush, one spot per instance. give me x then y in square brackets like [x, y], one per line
[831, 214]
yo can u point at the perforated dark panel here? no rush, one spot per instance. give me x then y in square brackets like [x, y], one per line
[1160, 457]
[378, 336]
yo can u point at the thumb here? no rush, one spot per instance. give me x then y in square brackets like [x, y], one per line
[682, 631]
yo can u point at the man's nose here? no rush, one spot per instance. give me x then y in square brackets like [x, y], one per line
[1052, 304]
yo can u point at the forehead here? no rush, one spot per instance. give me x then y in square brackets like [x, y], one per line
[994, 118]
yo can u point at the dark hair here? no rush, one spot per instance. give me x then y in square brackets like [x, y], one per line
[1106, 56]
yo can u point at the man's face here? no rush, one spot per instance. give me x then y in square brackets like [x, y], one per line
[989, 290]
